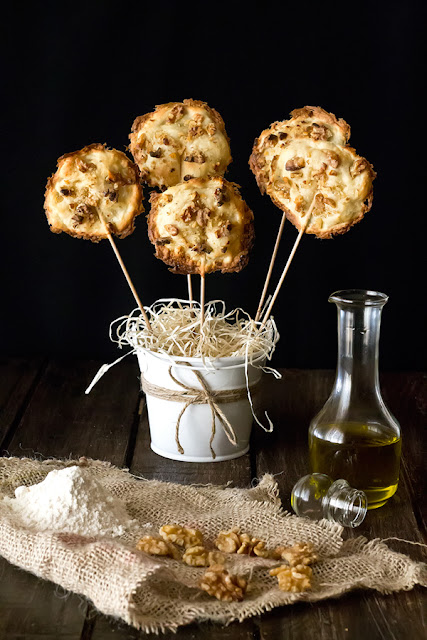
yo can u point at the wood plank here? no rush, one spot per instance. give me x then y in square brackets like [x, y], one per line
[292, 403]
[18, 377]
[60, 421]
[88, 427]
[104, 629]
[32, 608]
[406, 395]
[350, 617]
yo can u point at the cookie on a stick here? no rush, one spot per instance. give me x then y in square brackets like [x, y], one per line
[95, 193]
[306, 167]
[201, 226]
[90, 186]
[308, 154]
[179, 141]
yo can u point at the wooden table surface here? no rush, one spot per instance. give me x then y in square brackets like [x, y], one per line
[44, 413]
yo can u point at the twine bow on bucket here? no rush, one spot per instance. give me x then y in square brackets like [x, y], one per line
[192, 395]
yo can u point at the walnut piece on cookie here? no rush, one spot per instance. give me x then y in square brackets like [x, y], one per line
[179, 141]
[294, 159]
[200, 226]
[94, 180]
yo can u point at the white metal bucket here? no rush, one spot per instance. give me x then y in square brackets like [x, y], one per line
[195, 428]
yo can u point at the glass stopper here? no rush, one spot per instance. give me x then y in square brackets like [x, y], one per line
[317, 496]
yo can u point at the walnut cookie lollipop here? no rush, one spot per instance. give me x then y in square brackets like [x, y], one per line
[91, 182]
[200, 226]
[179, 141]
[308, 154]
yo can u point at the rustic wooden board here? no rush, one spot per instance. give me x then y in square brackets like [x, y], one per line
[106, 629]
[350, 617]
[297, 398]
[406, 395]
[45, 412]
[18, 379]
[32, 608]
[60, 421]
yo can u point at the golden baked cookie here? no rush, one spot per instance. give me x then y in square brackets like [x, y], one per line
[308, 154]
[179, 141]
[200, 226]
[95, 180]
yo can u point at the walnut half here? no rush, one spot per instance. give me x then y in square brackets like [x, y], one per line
[198, 556]
[235, 542]
[294, 579]
[157, 547]
[221, 584]
[181, 536]
[302, 553]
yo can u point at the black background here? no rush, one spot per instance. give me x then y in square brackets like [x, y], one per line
[74, 75]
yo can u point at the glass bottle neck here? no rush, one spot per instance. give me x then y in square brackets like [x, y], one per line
[358, 343]
[344, 505]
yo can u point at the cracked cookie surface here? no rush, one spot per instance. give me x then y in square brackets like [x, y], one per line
[200, 226]
[294, 159]
[179, 141]
[92, 181]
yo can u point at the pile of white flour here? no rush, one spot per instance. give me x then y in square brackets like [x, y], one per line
[71, 500]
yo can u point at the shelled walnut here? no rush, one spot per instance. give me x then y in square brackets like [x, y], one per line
[252, 546]
[235, 542]
[299, 554]
[182, 536]
[198, 556]
[157, 547]
[228, 541]
[221, 584]
[295, 579]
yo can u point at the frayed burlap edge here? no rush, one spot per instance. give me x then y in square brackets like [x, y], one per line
[161, 594]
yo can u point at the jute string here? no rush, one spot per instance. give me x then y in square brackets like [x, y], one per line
[191, 395]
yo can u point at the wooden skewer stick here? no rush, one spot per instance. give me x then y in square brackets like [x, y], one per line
[190, 290]
[288, 264]
[202, 294]
[202, 300]
[125, 271]
[270, 270]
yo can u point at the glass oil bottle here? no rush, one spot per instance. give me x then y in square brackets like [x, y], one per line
[355, 436]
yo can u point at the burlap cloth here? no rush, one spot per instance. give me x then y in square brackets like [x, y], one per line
[158, 594]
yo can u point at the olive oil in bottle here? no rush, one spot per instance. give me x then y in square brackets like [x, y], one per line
[354, 436]
[368, 457]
